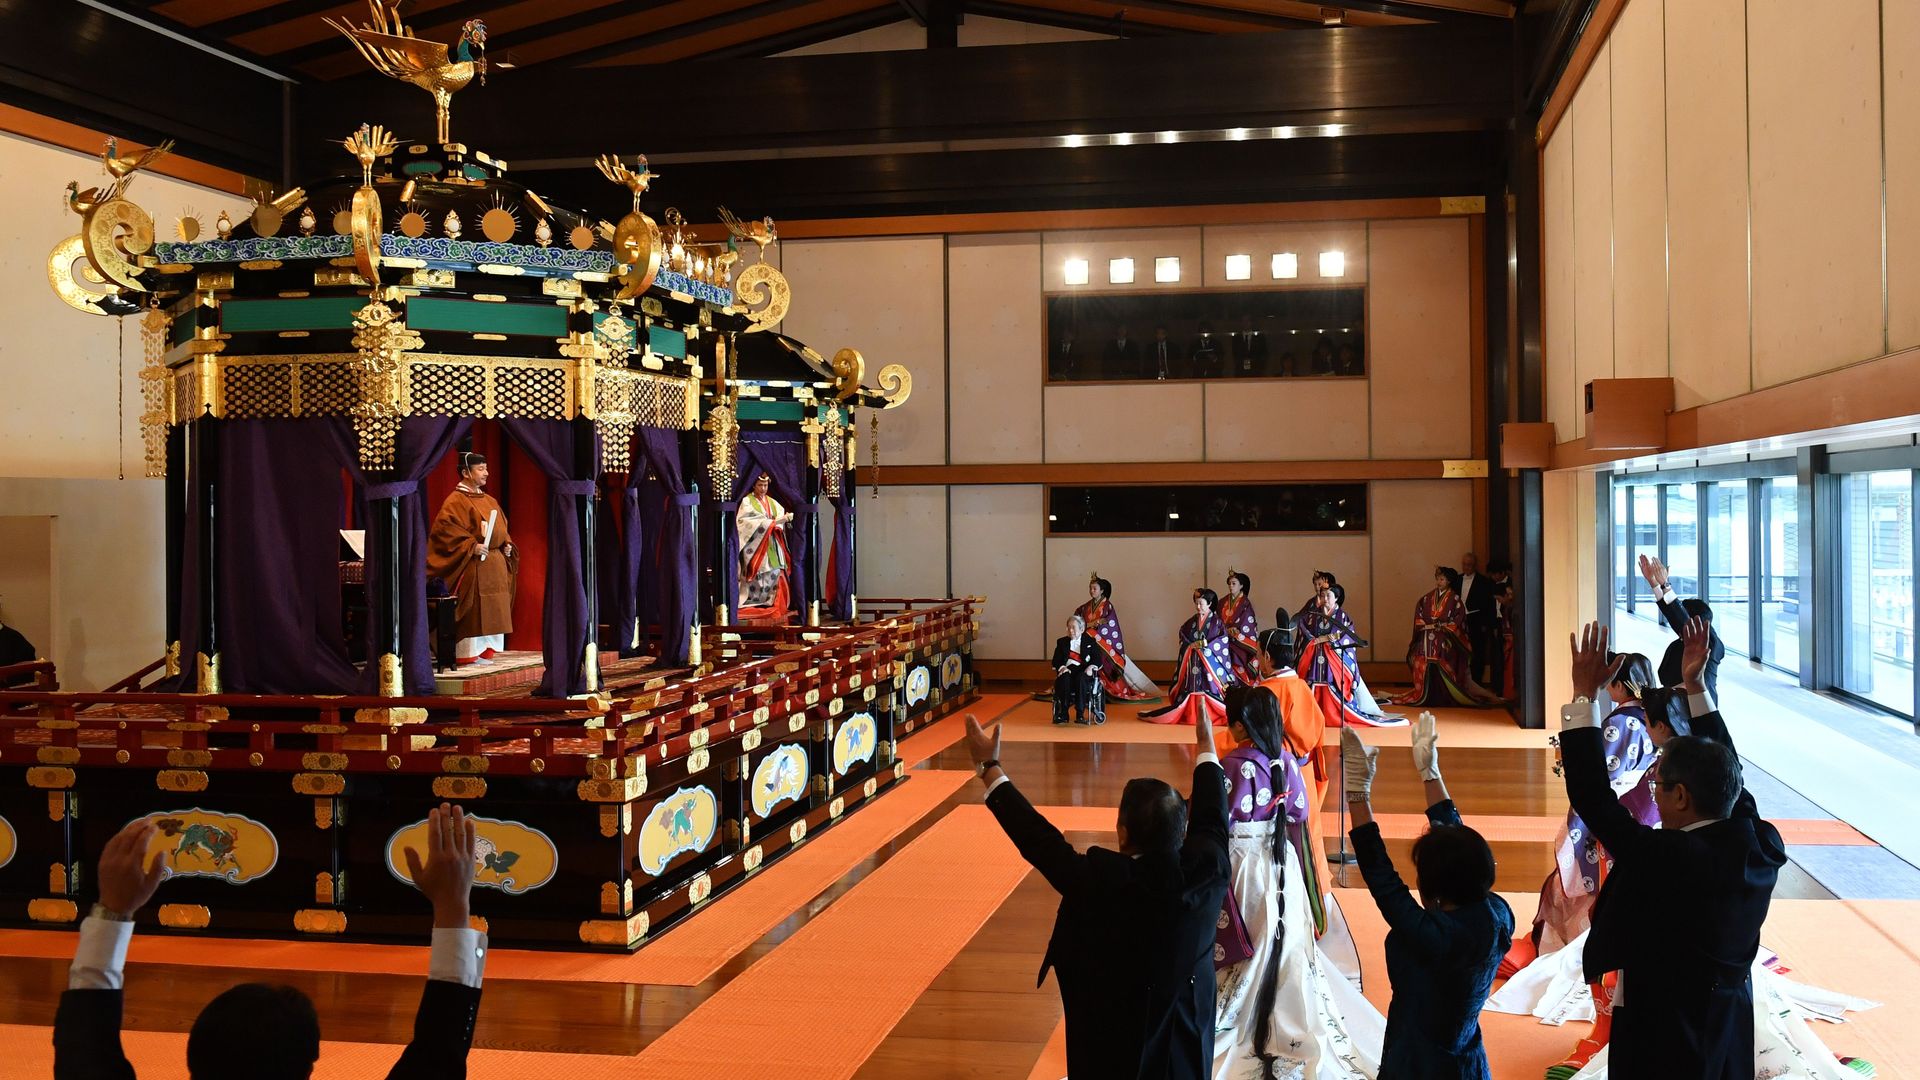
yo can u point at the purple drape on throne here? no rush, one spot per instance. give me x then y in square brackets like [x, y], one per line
[554, 447]
[669, 584]
[619, 545]
[421, 444]
[840, 590]
[782, 456]
[276, 545]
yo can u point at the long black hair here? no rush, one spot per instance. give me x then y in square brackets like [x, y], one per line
[1257, 710]
[1277, 640]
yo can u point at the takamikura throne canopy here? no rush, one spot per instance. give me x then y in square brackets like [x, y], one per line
[423, 288]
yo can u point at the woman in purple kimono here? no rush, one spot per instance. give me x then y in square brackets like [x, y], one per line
[1329, 662]
[1243, 627]
[1119, 677]
[1283, 1010]
[1439, 652]
[1205, 669]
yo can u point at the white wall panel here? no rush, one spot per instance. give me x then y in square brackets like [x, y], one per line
[1153, 581]
[1901, 27]
[1099, 246]
[995, 347]
[1419, 339]
[885, 296]
[1816, 135]
[1416, 525]
[1592, 114]
[1307, 239]
[1639, 191]
[1287, 420]
[1706, 120]
[999, 548]
[1125, 422]
[902, 542]
[61, 413]
[1560, 315]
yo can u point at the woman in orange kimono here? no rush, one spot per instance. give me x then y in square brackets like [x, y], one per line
[1438, 653]
[1302, 726]
[469, 549]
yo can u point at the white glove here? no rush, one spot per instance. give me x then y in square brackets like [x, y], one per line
[1359, 761]
[1426, 746]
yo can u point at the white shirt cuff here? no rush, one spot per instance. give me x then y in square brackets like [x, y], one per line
[997, 781]
[1699, 704]
[459, 955]
[1665, 594]
[1574, 715]
[101, 957]
[1204, 757]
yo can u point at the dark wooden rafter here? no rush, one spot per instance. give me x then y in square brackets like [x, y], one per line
[1412, 9]
[1118, 26]
[679, 31]
[142, 10]
[499, 43]
[786, 41]
[1201, 10]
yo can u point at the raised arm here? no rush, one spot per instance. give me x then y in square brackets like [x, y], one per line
[1696, 638]
[1390, 894]
[1663, 594]
[1207, 805]
[1583, 752]
[86, 1029]
[450, 1002]
[1039, 840]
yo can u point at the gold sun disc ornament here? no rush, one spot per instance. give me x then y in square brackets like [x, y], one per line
[581, 238]
[413, 225]
[498, 225]
[187, 228]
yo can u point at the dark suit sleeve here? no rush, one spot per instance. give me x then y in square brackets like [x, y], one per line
[86, 1037]
[442, 1033]
[1207, 814]
[1059, 652]
[1713, 726]
[1040, 843]
[1391, 895]
[1583, 754]
[1675, 615]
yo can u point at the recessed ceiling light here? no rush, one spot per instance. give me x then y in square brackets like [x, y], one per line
[1074, 272]
[1166, 269]
[1333, 263]
[1286, 264]
[1120, 271]
[1239, 267]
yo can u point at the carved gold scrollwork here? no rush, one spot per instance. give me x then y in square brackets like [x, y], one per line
[761, 284]
[155, 417]
[849, 367]
[896, 382]
[68, 256]
[636, 247]
[115, 233]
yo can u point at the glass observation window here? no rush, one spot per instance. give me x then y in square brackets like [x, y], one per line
[1876, 587]
[1206, 508]
[1624, 569]
[1683, 533]
[1780, 548]
[1726, 569]
[1212, 334]
[1646, 541]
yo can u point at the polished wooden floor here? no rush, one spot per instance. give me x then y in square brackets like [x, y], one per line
[982, 1017]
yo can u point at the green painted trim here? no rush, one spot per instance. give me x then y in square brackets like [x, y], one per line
[310, 313]
[421, 168]
[483, 317]
[751, 409]
[667, 342]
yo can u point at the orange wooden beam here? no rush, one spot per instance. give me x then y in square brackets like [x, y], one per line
[46, 129]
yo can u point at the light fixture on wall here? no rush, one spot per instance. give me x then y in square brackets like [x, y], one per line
[1166, 268]
[1074, 272]
[1120, 271]
[1286, 264]
[1237, 134]
[1333, 263]
[1239, 267]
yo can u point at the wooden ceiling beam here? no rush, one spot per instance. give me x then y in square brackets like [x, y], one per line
[1117, 26]
[787, 41]
[609, 49]
[1413, 9]
[1261, 20]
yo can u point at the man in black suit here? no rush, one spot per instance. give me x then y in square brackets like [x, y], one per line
[1250, 349]
[255, 1030]
[1065, 361]
[1123, 355]
[1680, 915]
[1476, 595]
[1132, 944]
[1077, 660]
[1678, 613]
[1163, 356]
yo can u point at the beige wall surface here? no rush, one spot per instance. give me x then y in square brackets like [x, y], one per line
[62, 414]
[885, 296]
[27, 578]
[1416, 525]
[1100, 246]
[1287, 420]
[901, 546]
[108, 594]
[1728, 203]
[995, 347]
[1282, 569]
[1592, 119]
[999, 551]
[1125, 422]
[1305, 239]
[1419, 347]
[1153, 581]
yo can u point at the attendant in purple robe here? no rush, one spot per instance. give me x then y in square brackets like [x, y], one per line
[1329, 661]
[1205, 669]
[1243, 628]
[1120, 678]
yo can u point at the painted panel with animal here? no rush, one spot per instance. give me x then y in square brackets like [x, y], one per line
[508, 855]
[683, 822]
[779, 779]
[213, 844]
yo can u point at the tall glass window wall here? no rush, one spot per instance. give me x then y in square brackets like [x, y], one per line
[1876, 587]
[1727, 586]
[1778, 503]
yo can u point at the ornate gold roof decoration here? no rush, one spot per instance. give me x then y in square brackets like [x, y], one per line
[395, 52]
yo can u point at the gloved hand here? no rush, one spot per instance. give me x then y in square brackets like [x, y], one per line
[1426, 746]
[1360, 761]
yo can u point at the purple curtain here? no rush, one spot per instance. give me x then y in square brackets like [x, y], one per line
[422, 443]
[841, 589]
[192, 623]
[554, 447]
[277, 568]
[619, 532]
[669, 585]
[782, 456]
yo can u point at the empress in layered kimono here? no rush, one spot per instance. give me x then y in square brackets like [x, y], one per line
[1439, 652]
[1120, 678]
[1284, 1006]
[470, 549]
[761, 527]
[1243, 627]
[1329, 661]
[1205, 669]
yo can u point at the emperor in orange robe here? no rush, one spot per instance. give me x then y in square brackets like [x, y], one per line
[471, 550]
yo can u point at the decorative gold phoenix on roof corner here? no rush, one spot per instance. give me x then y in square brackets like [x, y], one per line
[395, 52]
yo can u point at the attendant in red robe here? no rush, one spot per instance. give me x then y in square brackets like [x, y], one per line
[1201, 678]
[471, 550]
[1120, 678]
[1439, 651]
[1243, 627]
